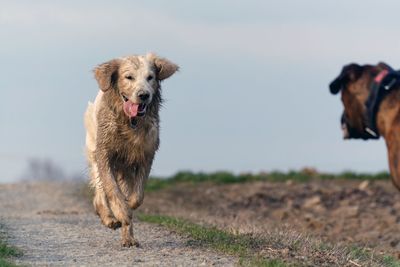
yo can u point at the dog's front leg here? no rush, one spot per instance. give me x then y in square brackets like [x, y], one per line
[135, 195]
[100, 201]
[127, 238]
[393, 146]
[115, 198]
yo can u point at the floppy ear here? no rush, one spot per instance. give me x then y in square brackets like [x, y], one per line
[383, 65]
[106, 74]
[164, 67]
[350, 73]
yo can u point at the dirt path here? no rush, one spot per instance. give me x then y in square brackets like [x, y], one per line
[54, 226]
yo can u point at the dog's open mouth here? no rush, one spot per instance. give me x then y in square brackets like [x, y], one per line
[345, 131]
[134, 110]
[142, 109]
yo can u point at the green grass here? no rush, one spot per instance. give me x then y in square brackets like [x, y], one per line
[260, 262]
[6, 263]
[365, 254]
[255, 250]
[7, 252]
[211, 237]
[156, 183]
[390, 261]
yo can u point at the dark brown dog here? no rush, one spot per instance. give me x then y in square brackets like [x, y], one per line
[122, 135]
[355, 83]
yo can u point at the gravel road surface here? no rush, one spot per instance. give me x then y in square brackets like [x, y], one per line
[54, 226]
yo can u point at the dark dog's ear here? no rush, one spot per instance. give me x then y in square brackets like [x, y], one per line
[106, 74]
[383, 65]
[164, 67]
[350, 73]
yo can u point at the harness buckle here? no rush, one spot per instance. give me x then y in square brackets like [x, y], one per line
[371, 132]
[390, 84]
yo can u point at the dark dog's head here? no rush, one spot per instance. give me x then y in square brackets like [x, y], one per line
[354, 82]
[135, 79]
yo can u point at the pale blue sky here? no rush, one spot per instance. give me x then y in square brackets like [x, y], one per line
[252, 93]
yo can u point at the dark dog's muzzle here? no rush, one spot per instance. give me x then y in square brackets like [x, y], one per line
[348, 131]
[352, 133]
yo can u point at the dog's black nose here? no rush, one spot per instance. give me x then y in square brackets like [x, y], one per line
[143, 95]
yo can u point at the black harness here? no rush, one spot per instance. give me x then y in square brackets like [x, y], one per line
[382, 84]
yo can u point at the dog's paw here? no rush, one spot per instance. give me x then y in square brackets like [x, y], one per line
[106, 216]
[129, 242]
[112, 223]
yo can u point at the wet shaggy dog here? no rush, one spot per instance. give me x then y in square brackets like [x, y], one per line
[122, 135]
[355, 84]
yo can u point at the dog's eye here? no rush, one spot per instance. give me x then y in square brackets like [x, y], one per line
[129, 77]
[149, 78]
[124, 98]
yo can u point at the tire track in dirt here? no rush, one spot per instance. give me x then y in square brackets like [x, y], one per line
[52, 225]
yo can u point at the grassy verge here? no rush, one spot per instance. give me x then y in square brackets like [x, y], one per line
[305, 175]
[7, 252]
[279, 248]
[219, 240]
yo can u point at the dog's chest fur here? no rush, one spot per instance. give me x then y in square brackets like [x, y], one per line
[124, 144]
[140, 142]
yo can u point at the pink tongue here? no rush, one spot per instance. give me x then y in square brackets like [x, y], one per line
[131, 109]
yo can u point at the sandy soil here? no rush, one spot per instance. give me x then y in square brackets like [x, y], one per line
[351, 212]
[54, 226]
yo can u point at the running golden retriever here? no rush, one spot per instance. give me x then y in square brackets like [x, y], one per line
[122, 135]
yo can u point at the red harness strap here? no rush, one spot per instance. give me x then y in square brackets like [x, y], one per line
[381, 75]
